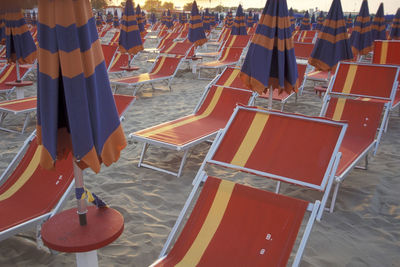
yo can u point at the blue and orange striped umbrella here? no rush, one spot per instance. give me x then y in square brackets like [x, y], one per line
[212, 19]
[333, 44]
[109, 18]
[292, 20]
[305, 22]
[129, 38]
[2, 28]
[320, 21]
[239, 25]
[196, 33]
[229, 20]
[34, 19]
[270, 61]
[140, 20]
[76, 110]
[256, 17]
[395, 31]
[206, 21]
[313, 22]
[250, 20]
[168, 20]
[20, 46]
[99, 19]
[116, 19]
[361, 37]
[144, 19]
[153, 18]
[379, 25]
[349, 22]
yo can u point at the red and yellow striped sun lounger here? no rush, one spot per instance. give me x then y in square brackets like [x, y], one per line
[109, 53]
[309, 36]
[241, 41]
[237, 225]
[9, 74]
[120, 63]
[115, 39]
[303, 50]
[163, 69]
[211, 114]
[24, 106]
[29, 194]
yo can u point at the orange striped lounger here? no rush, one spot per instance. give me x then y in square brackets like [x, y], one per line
[212, 113]
[236, 225]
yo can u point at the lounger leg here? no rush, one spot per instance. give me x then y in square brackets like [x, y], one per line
[182, 162]
[199, 74]
[278, 187]
[87, 259]
[25, 123]
[334, 196]
[169, 85]
[145, 146]
[283, 105]
[365, 167]
[3, 116]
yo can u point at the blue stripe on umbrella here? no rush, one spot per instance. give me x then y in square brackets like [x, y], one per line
[361, 37]
[239, 25]
[395, 31]
[196, 32]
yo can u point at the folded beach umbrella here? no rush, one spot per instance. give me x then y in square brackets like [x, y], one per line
[206, 21]
[109, 18]
[34, 19]
[184, 18]
[163, 18]
[250, 19]
[292, 20]
[239, 25]
[116, 19]
[153, 18]
[20, 47]
[313, 21]
[395, 31]
[129, 38]
[212, 19]
[229, 20]
[76, 111]
[305, 22]
[221, 17]
[349, 22]
[333, 44]
[140, 20]
[361, 37]
[256, 17]
[174, 17]
[99, 19]
[320, 20]
[2, 28]
[270, 62]
[28, 17]
[379, 25]
[144, 19]
[196, 33]
[168, 19]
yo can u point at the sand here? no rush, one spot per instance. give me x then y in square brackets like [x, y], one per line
[364, 229]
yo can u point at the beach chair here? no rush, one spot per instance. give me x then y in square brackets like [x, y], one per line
[115, 39]
[9, 74]
[109, 53]
[303, 50]
[388, 52]
[176, 49]
[236, 225]
[163, 69]
[223, 36]
[239, 41]
[307, 36]
[165, 41]
[23, 106]
[229, 56]
[120, 62]
[210, 115]
[29, 194]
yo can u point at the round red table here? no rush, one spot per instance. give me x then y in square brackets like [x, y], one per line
[20, 83]
[130, 68]
[63, 232]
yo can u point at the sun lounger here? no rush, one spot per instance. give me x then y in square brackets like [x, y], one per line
[229, 56]
[115, 39]
[109, 53]
[29, 194]
[164, 69]
[119, 64]
[303, 50]
[210, 115]
[306, 36]
[235, 225]
[240, 41]
[9, 74]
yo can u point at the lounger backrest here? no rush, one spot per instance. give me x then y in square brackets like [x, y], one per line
[168, 39]
[306, 36]
[9, 73]
[221, 101]
[177, 48]
[365, 80]
[114, 40]
[386, 52]
[120, 60]
[237, 41]
[166, 66]
[225, 216]
[108, 52]
[224, 34]
[288, 147]
[230, 54]
[303, 50]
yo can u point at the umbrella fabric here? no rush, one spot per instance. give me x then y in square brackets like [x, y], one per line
[168, 20]
[270, 60]
[320, 20]
[2, 28]
[206, 21]
[221, 17]
[333, 44]
[153, 18]
[19, 43]
[395, 31]
[196, 33]
[109, 18]
[379, 25]
[163, 17]
[349, 22]
[292, 20]
[212, 19]
[313, 21]
[34, 20]
[305, 22]
[129, 38]
[239, 25]
[140, 20]
[99, 19]
[361, 37]
[250, 20]
[256, 17]
[75, 110]
[229, 20]
[116, 19]
[144, 19]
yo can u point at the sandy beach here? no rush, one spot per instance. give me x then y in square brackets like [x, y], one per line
[364, 229]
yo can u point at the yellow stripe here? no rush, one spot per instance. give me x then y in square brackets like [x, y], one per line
[4, 77]
[159, 66]
[232, 77]
[348, 84]
[170, 48]
[304, 36]
[225, 55]
[33, 164]
[250, 140]
[207, 112]
[232, 41]
[115, 60]
[17, 101]
[339, 109]
[384, 50]
[210, 225]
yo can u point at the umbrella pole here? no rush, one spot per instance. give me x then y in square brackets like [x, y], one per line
[81, 203]
[129, 60]
[18, 73]
[271, 91]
